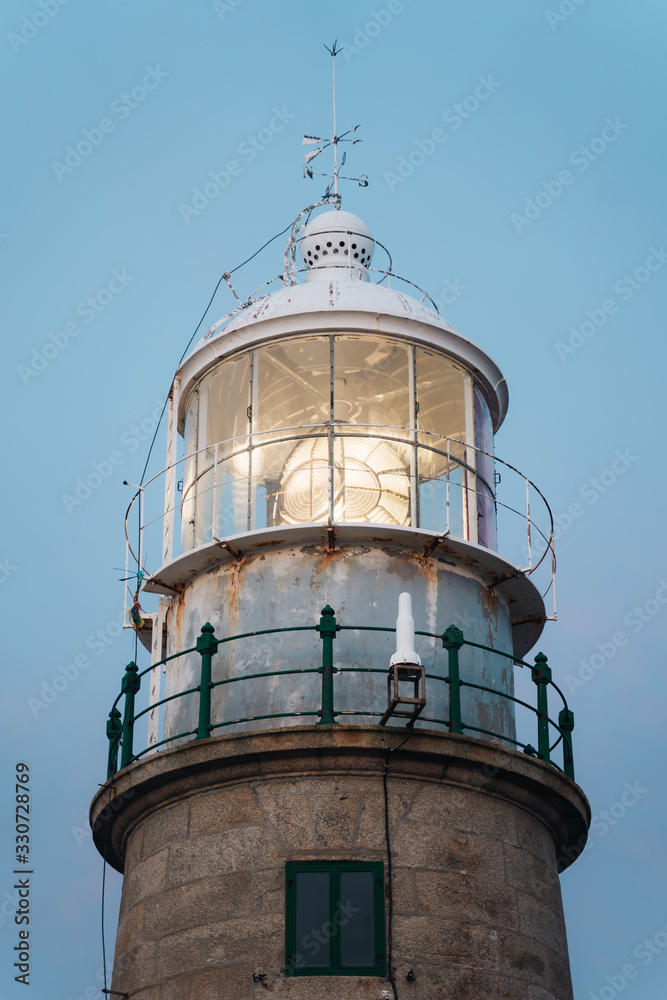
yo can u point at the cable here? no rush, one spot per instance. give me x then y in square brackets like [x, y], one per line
[187, 346]
[148, 457]
[262, 248]
[164, 407]
[390, 971]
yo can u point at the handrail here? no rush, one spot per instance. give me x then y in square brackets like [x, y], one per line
[290, 271]
[227, 449]
[120, 730]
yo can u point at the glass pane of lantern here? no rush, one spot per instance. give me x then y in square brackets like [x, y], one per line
[190, 436]
[371, 480]
[371, 384]
[203, 494]
[312, 919]
[220, 417]
[486, 517]
[441, 501]
[223, 410]
[290, 481]
[187, 472]
[357, 929]
[292, 386]
[232, 496]
[441, 398]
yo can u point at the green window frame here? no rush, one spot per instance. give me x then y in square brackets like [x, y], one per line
[320, 951]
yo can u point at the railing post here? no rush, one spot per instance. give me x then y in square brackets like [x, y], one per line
[452, 640]
[541, 674]
[130, 686]
[528, 521]
[327, 629]
[215, 518]
[114, 730]
[207, 645]
[566, 723]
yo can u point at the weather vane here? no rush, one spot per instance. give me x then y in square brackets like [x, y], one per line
[362, 180]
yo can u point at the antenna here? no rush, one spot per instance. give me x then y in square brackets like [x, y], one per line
[332, 50]
[362, 180]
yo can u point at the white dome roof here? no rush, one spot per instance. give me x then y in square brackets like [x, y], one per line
[338, 293]
[344, 305]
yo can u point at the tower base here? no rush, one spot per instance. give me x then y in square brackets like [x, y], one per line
[477, 835]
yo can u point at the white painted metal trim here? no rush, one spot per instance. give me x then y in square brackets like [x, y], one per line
[439, 338]
[170, 477]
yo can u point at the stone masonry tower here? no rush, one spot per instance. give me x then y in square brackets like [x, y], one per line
[294, 816]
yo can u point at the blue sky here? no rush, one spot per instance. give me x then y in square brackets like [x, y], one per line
[570, 302]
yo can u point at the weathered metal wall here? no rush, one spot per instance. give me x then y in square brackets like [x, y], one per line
[289, 585]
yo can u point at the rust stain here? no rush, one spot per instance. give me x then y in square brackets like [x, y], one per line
[180, 611]
[325, 559]
[262, 307]
[233, 592]
[331, 555]
[427, 567]
[433, 544]
[490, 605]
[173, 588]
[214, 562]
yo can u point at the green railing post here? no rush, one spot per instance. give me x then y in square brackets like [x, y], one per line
[207, 644]
[129, 687]
[452, 640]
[566, 723]
[327, 629]
[114, 730]
[541, 674]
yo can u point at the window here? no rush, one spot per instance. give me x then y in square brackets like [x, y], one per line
[334, 919]
[343, 427]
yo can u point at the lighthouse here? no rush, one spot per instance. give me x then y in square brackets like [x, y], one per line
[325, 782]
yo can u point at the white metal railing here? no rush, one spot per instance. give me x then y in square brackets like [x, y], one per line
[207, 499]
[346, 269]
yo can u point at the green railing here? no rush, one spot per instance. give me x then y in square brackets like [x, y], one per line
[120, 729]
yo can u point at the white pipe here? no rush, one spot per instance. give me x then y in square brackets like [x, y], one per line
[405, 633]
